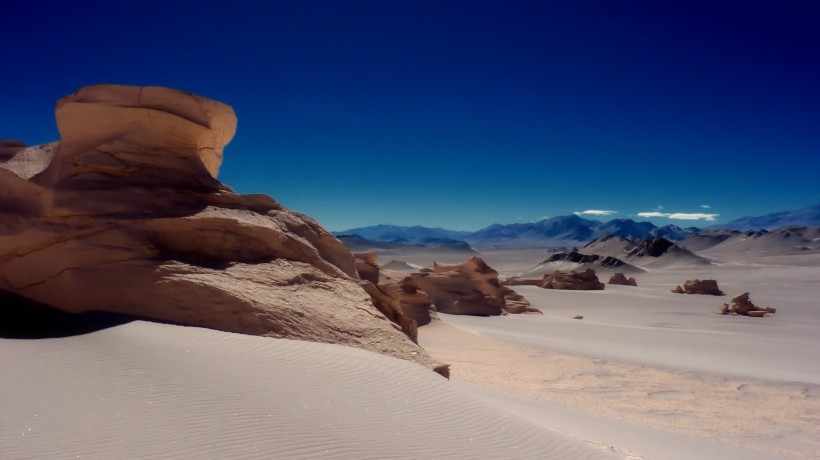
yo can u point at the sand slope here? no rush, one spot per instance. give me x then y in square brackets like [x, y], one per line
[145, 390]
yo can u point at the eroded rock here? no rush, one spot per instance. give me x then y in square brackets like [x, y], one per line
[126, 215]
[742, 305]
[583, 281]
[620, 278]
[469, 288]
[696, 286]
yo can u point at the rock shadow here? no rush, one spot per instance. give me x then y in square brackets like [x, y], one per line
[22, 318]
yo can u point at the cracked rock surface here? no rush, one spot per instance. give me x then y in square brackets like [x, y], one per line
[125, 214]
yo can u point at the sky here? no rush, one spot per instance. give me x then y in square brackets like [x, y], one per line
[461, 114]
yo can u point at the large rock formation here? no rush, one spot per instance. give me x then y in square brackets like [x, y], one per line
[620, 278]
[126, 215]
[742, 305]
[469, 288]
[705, 287]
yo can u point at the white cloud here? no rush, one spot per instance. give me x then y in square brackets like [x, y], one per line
[705, 206]
[654, 214]
[692, 216]
[595, 212]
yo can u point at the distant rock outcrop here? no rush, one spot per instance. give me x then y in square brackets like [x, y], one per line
[705, 287]
[620, 278]
[653, 252]
[583, 281]
[742, 305]
[469, 288]
[126, 215]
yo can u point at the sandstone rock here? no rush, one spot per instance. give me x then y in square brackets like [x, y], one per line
[469, 288]
[516, 281]
[126, 215]
[705, 287]
[620, 278]
[413, 302]
[742, 305]
[367, 266]
[583, 281]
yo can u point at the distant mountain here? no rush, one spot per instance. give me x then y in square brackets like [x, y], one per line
[561, 231]
[787, 240]
[806, 217]
[651, 252]
[407, 235]
[558, 231]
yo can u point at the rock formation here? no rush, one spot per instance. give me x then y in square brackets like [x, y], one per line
[126, 215]
[620, 278]
[367, 266]
[413, 302]
[583, 281]
[742, 305]
[705, 287]
[469, 288]
[586, 280]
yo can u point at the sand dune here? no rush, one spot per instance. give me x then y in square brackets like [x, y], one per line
[146, 390]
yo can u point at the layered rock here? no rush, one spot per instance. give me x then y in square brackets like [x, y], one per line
[367, 266]
[469, 288]
[575, 281]
[413, 302]
[696, 286]
[742, 305]
[126, 215]
[586, 280]
[620, 278]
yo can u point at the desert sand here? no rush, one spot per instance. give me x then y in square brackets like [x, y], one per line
[644, 358]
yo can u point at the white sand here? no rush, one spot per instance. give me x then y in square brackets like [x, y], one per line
[147, 390]
[660, 361]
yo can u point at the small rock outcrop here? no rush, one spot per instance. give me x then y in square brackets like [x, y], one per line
[583, 281]
[126, 215]
[586, 280]
[696, 286]
[469, 288]
[620, 278]
[742, 305]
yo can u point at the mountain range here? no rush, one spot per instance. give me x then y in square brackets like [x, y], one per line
[569, 230]
[804, 217]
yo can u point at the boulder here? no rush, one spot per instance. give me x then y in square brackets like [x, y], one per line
[516, 281]
[583, 281]
[126, 215]
[696, 286]
[620, 278]
[742, 305]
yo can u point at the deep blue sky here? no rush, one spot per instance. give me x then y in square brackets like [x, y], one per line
[461, 114]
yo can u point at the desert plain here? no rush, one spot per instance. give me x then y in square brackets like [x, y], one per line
[242, 329]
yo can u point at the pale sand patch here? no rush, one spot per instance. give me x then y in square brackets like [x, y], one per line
[779, 418]
[146, 390]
